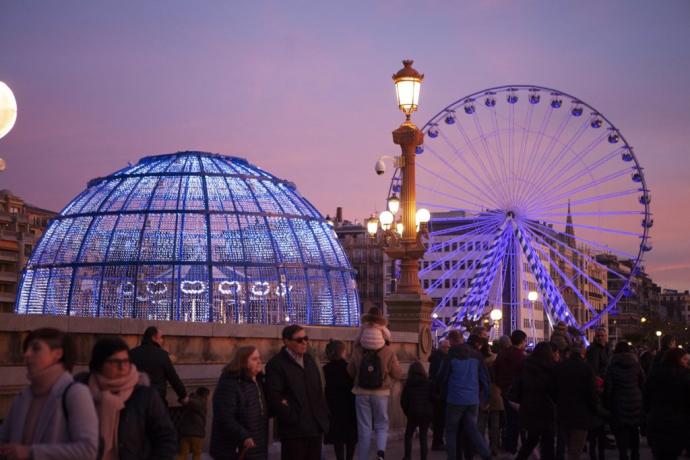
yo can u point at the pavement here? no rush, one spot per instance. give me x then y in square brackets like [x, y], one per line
[396, 450]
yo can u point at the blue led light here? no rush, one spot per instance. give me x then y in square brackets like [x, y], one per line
[191, 236]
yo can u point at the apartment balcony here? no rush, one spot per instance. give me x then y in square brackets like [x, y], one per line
[9, 256]
[9, 276]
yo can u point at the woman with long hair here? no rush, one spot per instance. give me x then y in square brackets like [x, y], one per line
[133, 420]
[54, 417]
[240, 417]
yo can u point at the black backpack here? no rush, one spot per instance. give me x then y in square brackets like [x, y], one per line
[370, 371]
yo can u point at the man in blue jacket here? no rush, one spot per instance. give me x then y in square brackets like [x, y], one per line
[465, 383]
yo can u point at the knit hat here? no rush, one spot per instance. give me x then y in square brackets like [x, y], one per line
[374, 316]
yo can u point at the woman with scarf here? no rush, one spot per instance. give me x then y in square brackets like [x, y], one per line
[133, 421]
[54, 417]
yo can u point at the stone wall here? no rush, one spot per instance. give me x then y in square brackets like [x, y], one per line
[198, 350]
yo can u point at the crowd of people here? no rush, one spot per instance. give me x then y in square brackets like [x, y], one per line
[560, 397]
[479, 398]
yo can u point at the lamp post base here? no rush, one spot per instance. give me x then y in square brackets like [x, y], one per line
[411, 312]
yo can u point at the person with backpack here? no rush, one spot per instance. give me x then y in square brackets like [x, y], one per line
[54, 417]
[417, 405]
[133, 422]
[374, 372]
[192, 426]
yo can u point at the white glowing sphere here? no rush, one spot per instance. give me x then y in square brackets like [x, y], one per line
[496, 315]
[8, 109]
[532, 296]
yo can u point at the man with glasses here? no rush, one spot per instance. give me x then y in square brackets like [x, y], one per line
[294, 392]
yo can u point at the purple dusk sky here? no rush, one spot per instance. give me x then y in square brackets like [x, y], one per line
[303, 89]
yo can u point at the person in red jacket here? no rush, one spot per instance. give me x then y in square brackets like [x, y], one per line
[507, 366]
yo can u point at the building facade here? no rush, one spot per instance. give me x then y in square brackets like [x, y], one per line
[21, 226]
[374, 278]
[676, 305]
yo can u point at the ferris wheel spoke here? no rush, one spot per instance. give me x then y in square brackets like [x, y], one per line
[568, 281]
[581, 188]
[593, 199]
[545, 233]
[458, 228]
[550, 293]
[531, 159]
[547, 168]
[483, 188]
[593, 213]
[477, 207]
[501, 175]
[522, 157]
[590, 169]
[578, 157]
[575, 268]
[543, 156]
[492, 177]
[484, 185]
[598, 228]
[452, 184]
[476, 294]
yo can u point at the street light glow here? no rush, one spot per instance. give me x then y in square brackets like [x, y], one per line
[386, 219]
[422, 216]
[372, 225]
[496, 315]
[532, 296]
[408, 83]
[658, 333]
[393, 204]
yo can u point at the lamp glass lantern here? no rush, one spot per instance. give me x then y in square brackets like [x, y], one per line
[496, 315]
[399, 227]
[386, 218]
[394, 204]
[372, 225]
[532, 296]
[408, 83]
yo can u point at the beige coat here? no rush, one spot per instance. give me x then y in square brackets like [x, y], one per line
[391, 371]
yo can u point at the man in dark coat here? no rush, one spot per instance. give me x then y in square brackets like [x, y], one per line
[507, 367]
[294, 393]
[576, 400]
[599, 352]
[623, 398]
[150, 357]
[439, 420]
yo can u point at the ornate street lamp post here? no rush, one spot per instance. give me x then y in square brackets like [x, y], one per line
[409, 308]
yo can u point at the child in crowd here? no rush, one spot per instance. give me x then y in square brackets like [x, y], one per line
[373, 333]
[417, 405]
[192, 426]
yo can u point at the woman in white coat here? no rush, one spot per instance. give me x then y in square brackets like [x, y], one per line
[54, 418]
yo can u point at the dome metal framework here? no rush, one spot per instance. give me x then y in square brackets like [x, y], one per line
[191, 236]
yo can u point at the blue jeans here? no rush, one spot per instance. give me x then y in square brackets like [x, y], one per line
[464, 416]
[372, 414]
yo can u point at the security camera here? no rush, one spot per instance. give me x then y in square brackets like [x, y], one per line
[380, 167]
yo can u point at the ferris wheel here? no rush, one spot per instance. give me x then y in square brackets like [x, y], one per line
[534, 195]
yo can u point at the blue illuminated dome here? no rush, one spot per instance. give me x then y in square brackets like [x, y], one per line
[191, 236]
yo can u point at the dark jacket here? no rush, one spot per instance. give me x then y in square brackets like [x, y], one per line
[145, 430]
[623, 390]
[341, 403]
[464, 378]
[535, 391]
[435, 361]
[304, 412]
[507, 366]
[599, 357]
[576, 399]
[415, 399]
[149, 357]
[667, 404]
[239, 413]
[193, 420]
